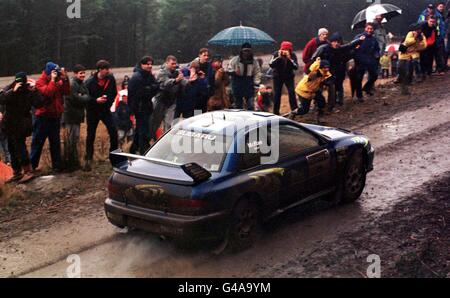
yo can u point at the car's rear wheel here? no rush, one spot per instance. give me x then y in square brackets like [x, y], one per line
[354, 179]
[244, 226]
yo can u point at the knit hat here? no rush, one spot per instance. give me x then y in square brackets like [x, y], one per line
[50, 67]
[246, 46]
[217, 58]
[336, 37]
[322, 31]
[287, 46]
[416, 26]
[324, 64]
[21, 77]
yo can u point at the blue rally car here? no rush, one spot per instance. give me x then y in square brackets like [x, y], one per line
[219, 175]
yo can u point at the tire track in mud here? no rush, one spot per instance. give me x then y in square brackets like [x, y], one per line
[404, 166]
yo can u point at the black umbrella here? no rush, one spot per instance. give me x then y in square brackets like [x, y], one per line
[388, 11]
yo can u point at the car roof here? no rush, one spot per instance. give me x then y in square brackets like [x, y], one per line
[228, 122]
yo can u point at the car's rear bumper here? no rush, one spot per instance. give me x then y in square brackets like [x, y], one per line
[211, 226]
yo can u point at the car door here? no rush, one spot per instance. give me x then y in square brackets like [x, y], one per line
[309, 162]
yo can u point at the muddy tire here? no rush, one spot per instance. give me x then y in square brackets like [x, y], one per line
[354, 178]
[244, 226]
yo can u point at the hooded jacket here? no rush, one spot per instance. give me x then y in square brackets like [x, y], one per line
[239, 68]
[75, 103]
[312, 82]
[414, 45]
[169, 88]
[142, 87]
[440, 22]
[53, 93]
[16, 107]
[96, 91]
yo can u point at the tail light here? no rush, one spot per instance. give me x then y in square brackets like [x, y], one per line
[188, 207]
[114, 191]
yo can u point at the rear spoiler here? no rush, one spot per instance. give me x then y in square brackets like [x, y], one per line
[193, 170]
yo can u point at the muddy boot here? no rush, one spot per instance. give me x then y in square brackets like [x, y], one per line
[404, 90]
[16, 177]
[320, 115]
[88, 166]
[340, 99]
[28, 174]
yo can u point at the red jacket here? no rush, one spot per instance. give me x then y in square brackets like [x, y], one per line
[53, 93]
[308, 52]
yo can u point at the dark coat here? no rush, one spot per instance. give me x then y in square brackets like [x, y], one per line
[142, 87]
[284, 68]
[338, 58]
[96, 91]
[16, 107]
[368, 54]
[192, 94]
[75, 103]
[123, 113]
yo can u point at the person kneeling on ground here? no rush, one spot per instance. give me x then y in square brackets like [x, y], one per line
[265, 98]
[309, 87]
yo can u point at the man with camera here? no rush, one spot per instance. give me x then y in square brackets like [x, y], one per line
[284, 64]
[53, 86]
[102, 90]
[171, 84]
[16, 102]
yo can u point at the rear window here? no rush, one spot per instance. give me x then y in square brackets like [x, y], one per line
[183, 147]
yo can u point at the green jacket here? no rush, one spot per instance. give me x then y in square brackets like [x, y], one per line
[75, 103]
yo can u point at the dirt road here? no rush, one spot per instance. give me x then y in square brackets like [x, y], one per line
[402, 216]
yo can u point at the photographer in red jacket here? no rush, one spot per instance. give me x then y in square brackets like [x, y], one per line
[53, 85]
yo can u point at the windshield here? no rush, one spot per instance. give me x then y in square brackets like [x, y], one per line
[183, 147]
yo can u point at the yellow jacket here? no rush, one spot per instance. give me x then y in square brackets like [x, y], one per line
[414, 47]
[310, 84]
[385, 62]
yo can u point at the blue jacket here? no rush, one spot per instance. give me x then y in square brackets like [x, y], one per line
[368, 54]
[192, 93]
[441, 27]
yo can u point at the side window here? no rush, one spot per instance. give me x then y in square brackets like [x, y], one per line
[254, 142]
[294, 140]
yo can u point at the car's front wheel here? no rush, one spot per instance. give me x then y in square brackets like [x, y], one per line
[354, 179]
[244, 225]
